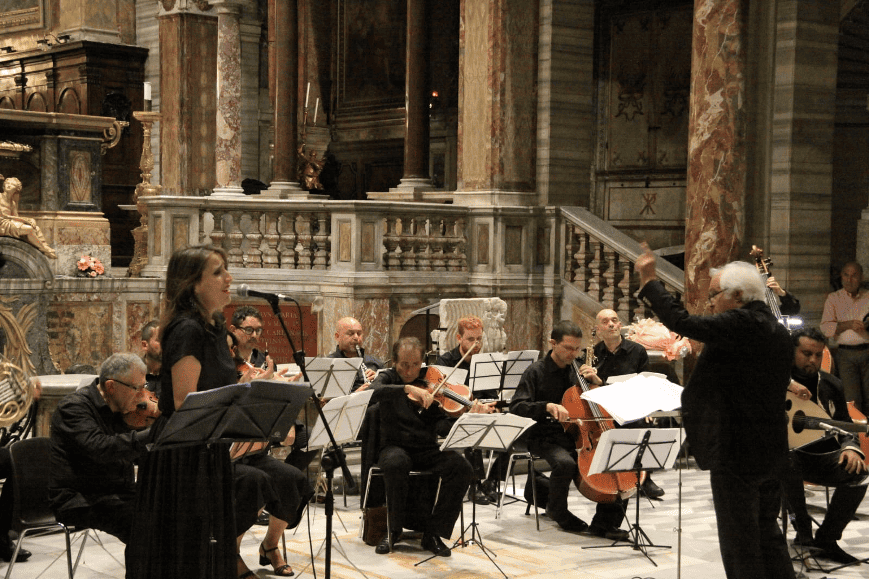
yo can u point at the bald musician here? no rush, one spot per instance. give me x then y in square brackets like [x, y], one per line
[349, 339]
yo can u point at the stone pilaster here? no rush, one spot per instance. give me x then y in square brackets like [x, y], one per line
[497, 110]
[716, 183]
[228, 141]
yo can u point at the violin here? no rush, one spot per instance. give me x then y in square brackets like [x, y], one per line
[604, 487]
[453, 398]
[145, 412]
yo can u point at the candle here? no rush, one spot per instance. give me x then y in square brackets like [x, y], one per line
[316, 106]
[307, 91]
[147, 91]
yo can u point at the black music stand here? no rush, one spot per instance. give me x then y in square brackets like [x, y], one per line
[486, 432]
[494, 371]
[261, 411]
[331, 377]
[625, 450]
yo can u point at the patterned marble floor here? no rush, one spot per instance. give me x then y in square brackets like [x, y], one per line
[519, 550]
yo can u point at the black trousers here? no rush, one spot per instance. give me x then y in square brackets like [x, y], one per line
[111, 514]
[750, 540]
[559, 453]
[455, 472]
[288, 491]
[844, 502]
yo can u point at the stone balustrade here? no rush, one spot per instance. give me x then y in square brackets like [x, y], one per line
[599, 261]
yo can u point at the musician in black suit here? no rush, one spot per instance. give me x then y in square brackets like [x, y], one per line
[734, 410]
[348, 339]
[845, 468]
[408, 441]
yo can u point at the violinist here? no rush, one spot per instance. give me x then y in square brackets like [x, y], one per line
[246, 326]
[93, 450]
[846, 474]
[539, 396]
[469, 339]
[408, 419]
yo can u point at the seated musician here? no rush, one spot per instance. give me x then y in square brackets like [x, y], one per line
[349, 338]
[847, 474]
[93, 450]
[615, 356]
[469, 336]
[539, 396]
[408, 416]
[246, 326]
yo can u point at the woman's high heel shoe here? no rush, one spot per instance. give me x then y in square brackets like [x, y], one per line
[264, 560]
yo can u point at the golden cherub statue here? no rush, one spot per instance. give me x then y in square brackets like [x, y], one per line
[13, 225]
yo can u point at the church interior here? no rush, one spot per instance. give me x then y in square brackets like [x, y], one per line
[371, 158]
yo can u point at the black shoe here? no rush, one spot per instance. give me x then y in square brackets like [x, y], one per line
[573, 524]
[832, 551]
[477, 496]
[491, 491]
[7, 547]
[609, 533]
[263, 519]
[803, 540]
[650, 489]
[434, 544]
[385, 545]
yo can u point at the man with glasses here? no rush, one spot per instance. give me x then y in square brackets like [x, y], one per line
[734, 410]
[247, 327]
[93, 449]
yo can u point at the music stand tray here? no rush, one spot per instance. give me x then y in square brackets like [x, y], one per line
[486, 432]
[636, 450]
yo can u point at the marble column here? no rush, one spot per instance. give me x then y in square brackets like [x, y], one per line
[416, 166]
[498, 62]
[283, 79]
[228, 142]
[716, 183]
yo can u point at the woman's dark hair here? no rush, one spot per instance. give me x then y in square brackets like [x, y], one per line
[184, 271]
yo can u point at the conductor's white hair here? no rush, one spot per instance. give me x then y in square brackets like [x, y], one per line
[742, 276]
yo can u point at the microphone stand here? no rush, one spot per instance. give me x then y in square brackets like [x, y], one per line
[335, 456]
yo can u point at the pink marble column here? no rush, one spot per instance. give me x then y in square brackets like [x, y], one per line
[716, 184]
[228, 142]
[283, 85]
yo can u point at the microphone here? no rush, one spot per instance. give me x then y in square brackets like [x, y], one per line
[245, 292]
[833, 429]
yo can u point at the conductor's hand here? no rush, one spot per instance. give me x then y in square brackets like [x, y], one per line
[477, 407]
[852, 462]
[423, 397]
[558, 412]
[645, 265]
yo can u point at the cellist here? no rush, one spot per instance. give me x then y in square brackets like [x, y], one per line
[538, 396]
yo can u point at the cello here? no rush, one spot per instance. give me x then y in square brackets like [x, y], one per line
[588, 423]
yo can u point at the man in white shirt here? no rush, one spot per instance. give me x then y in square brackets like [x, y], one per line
[845, 320]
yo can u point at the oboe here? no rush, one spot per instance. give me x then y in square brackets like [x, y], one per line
[362, 365]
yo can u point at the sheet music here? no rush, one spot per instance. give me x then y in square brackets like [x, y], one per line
[617, 449]
[344, 414]
[486, 369]
[486, 431]
[636, 397]
[624, 377]
[331, 377]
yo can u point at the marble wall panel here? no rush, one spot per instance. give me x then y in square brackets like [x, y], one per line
[374, 316]
[524, 324]
[80, 332]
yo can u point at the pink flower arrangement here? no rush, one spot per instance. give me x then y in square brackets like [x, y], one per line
[89, 267]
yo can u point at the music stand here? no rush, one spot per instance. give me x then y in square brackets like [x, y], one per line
[499, 372]
[343, 416]
[636, 450]
[331, 377]
[261, 411]
[486, 432]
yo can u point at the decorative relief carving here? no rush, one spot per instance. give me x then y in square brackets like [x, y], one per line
[79, 177]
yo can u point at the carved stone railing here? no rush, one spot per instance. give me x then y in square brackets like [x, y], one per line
[599, 262]
[313, 235]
